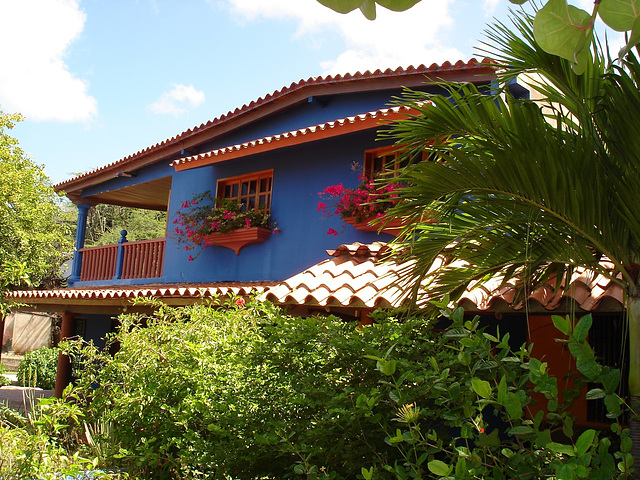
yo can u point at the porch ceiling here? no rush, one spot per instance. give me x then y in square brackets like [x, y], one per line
[152, 195]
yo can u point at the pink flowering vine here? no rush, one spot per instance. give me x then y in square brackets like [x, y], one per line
[201, 218]
[366, 201]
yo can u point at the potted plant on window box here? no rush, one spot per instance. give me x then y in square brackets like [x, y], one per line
[205, 221]
[363, 207]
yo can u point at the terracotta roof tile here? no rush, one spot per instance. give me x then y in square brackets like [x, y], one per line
[353, 276]
[310, 82]
[356, 276]
[156, 291]
[365, 120]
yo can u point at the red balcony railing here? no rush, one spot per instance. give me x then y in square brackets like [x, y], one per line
[142, 259]
[98, 263]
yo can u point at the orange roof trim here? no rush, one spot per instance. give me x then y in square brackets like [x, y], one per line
[459, 70]
[334, 128]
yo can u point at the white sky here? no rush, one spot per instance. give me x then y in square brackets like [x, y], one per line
[99, 80]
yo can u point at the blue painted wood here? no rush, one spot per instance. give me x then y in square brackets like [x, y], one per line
[120, 256]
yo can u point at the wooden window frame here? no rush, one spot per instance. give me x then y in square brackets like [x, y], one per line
[389, 154]
[258, 198]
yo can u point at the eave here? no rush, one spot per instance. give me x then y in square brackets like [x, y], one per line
[343, 126]
[287, 97]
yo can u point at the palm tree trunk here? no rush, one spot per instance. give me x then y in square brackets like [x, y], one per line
[633, 310]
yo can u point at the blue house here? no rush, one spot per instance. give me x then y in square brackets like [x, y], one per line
[276, 153]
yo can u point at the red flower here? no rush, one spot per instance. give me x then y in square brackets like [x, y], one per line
[191, 259]
[240, 302]
[481, 429]
[333, 232]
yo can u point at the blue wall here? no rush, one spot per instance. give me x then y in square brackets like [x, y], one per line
[300, 172]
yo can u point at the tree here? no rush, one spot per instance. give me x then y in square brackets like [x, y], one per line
[105, 222]
[559, 28]
[528, 190]
[34, 234]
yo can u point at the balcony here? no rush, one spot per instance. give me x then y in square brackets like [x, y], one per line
[126, 260]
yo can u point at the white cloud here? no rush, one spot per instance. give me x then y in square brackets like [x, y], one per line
[34, 78]
[175, 100]
[489, 7]
[392, 40]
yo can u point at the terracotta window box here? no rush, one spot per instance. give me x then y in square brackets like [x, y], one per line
[238, 239]
[392, 227]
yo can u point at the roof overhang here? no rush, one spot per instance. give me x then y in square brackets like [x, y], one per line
[343, 126]
[356, 276]
[151, 195]
[116, 300]
[288, 97]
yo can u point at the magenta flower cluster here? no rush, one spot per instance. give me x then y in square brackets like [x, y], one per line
[205, 215]
[367, 201]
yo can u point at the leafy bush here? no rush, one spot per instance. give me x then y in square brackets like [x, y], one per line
[245, 391]
[46, 443]
[38, 368]
[3, 380]
[490, 412]
[211, 391]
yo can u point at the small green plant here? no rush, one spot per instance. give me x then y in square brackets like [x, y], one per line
[38, 368]
[3, 380]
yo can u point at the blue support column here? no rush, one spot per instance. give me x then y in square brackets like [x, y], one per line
[81, 231]
[120, 256]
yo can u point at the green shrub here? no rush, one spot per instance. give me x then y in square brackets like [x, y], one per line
[480, 416]
[3, 380]
[46, 443]
[247, 391]
[38, 368]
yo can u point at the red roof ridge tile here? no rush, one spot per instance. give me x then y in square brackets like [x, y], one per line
[471, 63]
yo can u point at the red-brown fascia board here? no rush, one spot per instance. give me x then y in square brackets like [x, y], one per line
[280, 100]
[305, 135]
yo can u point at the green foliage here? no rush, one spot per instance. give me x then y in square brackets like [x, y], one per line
[38, 368]
[527, 189]
[560, 28]
[490, 412]
[204, 392]
[367, 7]
[105, 222]
[46, 442]
[35, 235]
[244, 390]
[3, 380]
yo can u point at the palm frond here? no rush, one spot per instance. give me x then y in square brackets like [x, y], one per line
[529, 187]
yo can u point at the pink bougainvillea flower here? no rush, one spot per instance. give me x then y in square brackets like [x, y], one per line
[247, 223]
[333, 232]
[240, 302]
[322, 207]
[191, 259]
